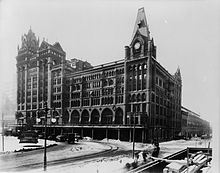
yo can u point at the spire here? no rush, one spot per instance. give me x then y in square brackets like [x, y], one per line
[29, 41]
[178, 71]
[178, 74]
[141, 24]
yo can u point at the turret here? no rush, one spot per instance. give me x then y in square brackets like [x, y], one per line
[29, 42]
[177, 75]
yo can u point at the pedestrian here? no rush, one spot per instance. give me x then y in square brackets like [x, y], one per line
[144, 155]
[156, 149]
[136, 155]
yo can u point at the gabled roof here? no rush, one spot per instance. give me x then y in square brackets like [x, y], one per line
[44, 45]
[58, 46]
[141, 24]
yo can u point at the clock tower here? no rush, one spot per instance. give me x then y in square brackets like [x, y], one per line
[141, 44]
[139, 74]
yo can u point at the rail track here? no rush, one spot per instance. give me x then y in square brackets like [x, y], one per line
[86, 157]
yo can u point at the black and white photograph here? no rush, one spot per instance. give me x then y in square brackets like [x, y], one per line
[101, 86]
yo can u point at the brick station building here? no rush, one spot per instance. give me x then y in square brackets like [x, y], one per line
[103, 101]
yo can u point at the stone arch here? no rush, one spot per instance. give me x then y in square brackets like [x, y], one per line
[95, 116]
[75, 117]
[85, 117]
[106, 116]
[119, 116]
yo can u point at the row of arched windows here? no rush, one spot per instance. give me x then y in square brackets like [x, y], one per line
[105, 117]
[75, 103]
[107, 100]
[119, 99]
[137, 97]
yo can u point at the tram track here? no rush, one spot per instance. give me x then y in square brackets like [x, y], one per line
[71, 160]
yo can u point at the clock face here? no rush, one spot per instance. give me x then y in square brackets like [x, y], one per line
[137, 45]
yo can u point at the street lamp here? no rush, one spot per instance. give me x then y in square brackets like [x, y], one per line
[135, 114]
[134, 117]
[45, 136]
[53, 120]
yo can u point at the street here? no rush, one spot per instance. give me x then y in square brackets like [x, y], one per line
[105, 156]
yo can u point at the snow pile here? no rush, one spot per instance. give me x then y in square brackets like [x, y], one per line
[12, 144]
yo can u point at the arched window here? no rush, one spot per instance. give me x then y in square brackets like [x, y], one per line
[143, 97]
[85, 117]
[74, 117]
[95, 117]
[111, 82]
[106, 116]
[119, 116]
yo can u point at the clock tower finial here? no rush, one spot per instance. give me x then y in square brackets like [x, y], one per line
[141, 24]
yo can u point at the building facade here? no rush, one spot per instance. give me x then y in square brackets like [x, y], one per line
[104, 101]
[193, 125]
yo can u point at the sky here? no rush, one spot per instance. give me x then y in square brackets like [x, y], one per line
[186, 33]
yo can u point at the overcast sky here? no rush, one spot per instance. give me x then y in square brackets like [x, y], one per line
[186, 34]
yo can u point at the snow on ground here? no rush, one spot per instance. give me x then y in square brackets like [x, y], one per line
[12, 144]
[129, 145]
[117, 164]
[167, 148]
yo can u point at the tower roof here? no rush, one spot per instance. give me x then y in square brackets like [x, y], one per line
[141, 24]
[178, 74]
[29, 41]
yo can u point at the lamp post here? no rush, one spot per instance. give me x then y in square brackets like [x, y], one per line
[46, 109]
[45, 136]
[134, 116]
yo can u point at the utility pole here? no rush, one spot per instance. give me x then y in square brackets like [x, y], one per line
[3, 143]
[45, 136]
[134, 116]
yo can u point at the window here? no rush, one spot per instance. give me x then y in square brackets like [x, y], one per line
[157, 99]
[58, 89]
[59, 81]
[160, 82]
[157, 109]
[34, 85]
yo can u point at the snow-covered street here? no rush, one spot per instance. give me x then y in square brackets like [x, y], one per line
[111, 163]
